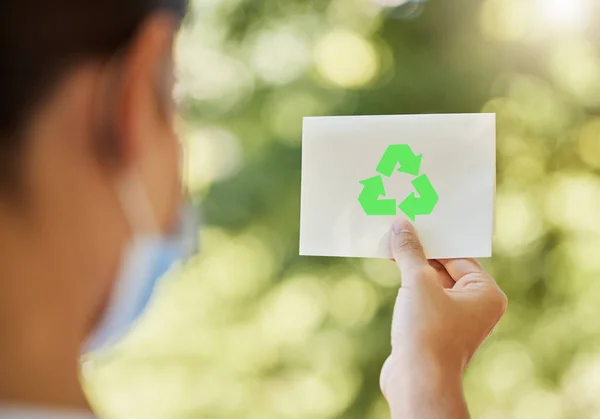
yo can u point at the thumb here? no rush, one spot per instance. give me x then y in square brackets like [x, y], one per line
[407, 250]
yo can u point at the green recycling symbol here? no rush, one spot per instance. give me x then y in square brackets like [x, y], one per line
[412, 206]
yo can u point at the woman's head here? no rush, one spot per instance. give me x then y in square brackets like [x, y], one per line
[87, 149]
[42, 42]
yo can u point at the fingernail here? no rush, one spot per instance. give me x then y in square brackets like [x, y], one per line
[402, 226]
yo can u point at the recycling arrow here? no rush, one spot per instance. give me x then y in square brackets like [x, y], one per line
[421, 202]
[425, 203]
[399, 153]
[369, 198]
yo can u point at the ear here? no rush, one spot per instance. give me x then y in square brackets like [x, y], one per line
[146, 109]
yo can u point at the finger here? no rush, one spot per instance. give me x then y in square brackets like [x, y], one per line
[444, 277]
[469, 274]
[407, 250]
[459, 268]
[386, 375]
[488, 299]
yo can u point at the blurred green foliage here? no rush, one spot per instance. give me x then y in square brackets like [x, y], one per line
[250, 330]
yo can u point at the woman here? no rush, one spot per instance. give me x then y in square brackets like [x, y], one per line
[92, 215]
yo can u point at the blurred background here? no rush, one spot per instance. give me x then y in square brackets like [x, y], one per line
[248, 329]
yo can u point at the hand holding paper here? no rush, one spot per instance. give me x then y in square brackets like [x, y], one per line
[443, 313]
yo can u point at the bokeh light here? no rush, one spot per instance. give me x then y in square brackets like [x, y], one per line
[505, 19]
[211, 154]
[289, 45]
[534, 20]
[284, 112]
[518, 224]
[346, 59]
[581, 80]
[569, 15]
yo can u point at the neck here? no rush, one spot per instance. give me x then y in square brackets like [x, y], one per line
[36, 375]
[39, 350]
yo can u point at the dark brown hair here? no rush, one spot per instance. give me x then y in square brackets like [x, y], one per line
[41, 39]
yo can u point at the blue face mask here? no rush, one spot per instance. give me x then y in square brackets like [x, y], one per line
[145, 261]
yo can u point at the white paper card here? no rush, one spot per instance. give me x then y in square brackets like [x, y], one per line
[359, 173]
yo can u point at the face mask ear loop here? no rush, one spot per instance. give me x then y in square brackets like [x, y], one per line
[138, 212]
[136, 205]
